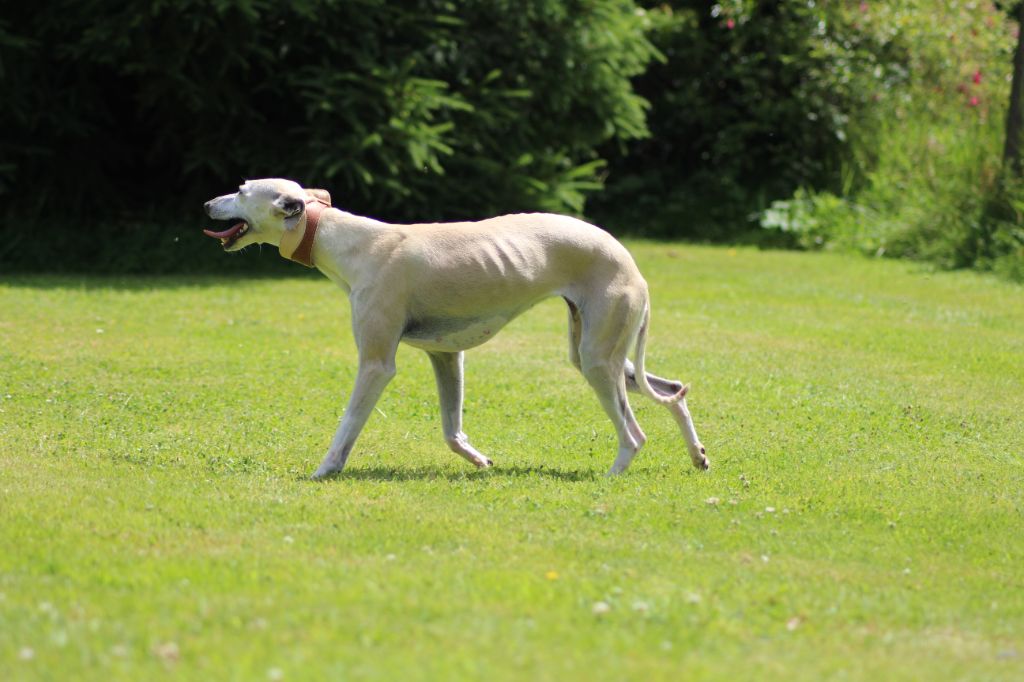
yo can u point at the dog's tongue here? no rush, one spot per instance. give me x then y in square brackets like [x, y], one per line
[225, 234]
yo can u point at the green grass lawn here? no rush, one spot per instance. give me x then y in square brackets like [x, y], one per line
[863, 517]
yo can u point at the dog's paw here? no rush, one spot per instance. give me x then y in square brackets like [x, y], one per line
[700, 459]
[324, 472]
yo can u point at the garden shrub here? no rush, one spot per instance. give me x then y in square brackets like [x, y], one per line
[844, 124]
[927, 157]
[753, 100]
[124, 114]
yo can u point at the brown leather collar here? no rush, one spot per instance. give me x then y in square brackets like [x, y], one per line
[304, 251]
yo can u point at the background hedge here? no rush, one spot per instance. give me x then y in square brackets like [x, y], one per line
[682, 119]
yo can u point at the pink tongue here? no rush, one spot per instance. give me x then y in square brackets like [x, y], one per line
[226, 234]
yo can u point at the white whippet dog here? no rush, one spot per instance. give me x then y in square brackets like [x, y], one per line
[447, 287]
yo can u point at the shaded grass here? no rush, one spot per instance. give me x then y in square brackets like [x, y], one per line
[862, 418]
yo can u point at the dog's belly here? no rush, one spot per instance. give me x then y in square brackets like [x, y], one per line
[450, 335]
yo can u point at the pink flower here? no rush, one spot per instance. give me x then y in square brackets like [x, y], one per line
[973, 102]
[730, 23]
[976, 77]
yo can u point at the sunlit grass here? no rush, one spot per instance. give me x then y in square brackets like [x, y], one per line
[862, 518]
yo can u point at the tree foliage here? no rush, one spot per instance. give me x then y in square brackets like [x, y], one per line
[928, 152]
[754, 100]
[693, 117]
[422, 109]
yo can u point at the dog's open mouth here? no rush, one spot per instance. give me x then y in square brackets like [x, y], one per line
[229, 236]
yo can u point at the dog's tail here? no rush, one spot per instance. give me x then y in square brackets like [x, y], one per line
[641, 375]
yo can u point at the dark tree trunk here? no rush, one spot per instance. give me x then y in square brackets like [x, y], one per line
[1015, 115]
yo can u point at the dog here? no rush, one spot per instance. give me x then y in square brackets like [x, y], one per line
[447, 287]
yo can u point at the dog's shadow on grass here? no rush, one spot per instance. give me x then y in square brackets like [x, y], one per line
[398, 474]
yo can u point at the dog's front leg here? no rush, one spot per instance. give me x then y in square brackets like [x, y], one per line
[377, 348]
[371, 379]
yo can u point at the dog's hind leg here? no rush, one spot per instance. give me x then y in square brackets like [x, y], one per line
[449, 374]
[575, 336]
[575, 333]
[679, 412]
[602, 344]
[611, 391]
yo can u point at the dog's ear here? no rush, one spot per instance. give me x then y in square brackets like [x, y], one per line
[291, 208]
[321, 194]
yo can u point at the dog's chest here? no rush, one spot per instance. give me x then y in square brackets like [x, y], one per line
[450, 335]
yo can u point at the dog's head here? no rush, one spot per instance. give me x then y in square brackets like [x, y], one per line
[261, 211]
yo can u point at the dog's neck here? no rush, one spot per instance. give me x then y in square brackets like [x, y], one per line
[297, 244]
[345, 251]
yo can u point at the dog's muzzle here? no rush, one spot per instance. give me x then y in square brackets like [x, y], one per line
[229, 236]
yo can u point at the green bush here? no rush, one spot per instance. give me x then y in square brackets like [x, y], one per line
[852, 124]
[928, 159]
[809, 219]
[127, 113]
[754, 100]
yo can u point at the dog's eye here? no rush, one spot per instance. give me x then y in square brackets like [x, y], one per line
[292, 207]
